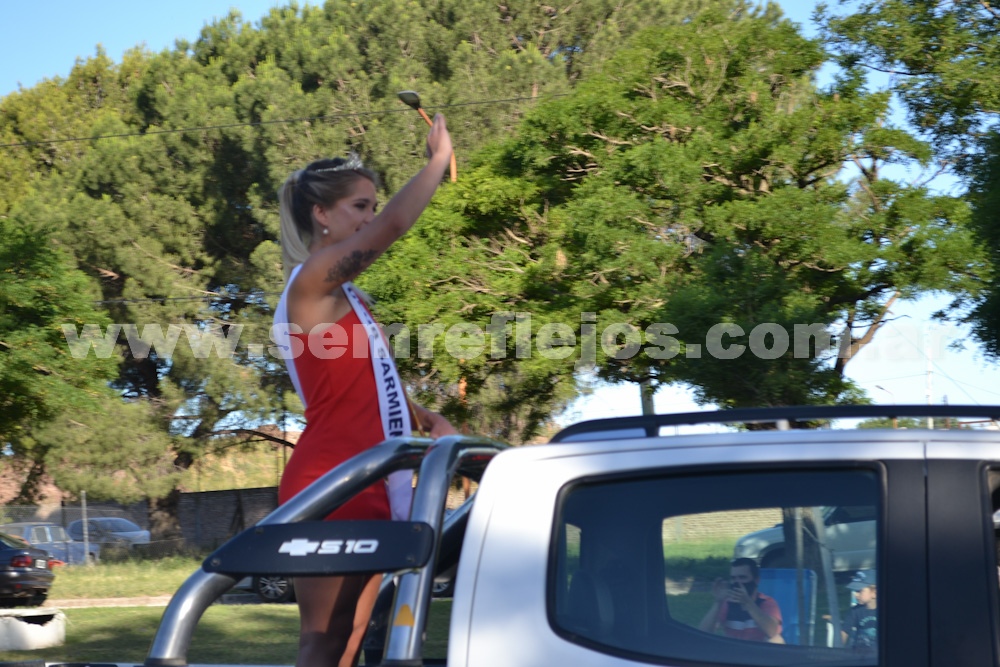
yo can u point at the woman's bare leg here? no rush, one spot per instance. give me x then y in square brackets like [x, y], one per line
[334, 613]
[362, 614]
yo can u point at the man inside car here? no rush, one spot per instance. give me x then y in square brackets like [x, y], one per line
[740, 610]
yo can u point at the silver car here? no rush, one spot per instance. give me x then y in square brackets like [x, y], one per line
[849, 535]
[109, 530]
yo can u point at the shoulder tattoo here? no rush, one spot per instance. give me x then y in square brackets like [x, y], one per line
[350, 266]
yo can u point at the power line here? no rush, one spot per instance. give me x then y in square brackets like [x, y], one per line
[206, 128]
[939, 369]
[899, 377]
[960, 383]
[229, 296]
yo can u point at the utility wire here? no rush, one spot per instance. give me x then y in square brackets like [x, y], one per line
[939, 369]
[960, 383]
[206, 128]
[228, 296]
[899, 377]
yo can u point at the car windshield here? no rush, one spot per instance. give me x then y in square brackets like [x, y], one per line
[13, 541]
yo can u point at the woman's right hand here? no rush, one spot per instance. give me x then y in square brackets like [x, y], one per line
[438, 139]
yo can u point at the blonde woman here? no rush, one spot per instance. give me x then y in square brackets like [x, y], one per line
[339, 363]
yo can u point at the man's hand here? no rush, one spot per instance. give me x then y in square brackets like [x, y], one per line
[738, 595]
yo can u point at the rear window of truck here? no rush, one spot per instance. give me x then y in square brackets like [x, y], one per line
[760, 567]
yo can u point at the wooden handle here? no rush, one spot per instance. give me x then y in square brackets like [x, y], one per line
[454, 164]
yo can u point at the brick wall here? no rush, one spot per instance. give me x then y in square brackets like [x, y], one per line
[209, 518]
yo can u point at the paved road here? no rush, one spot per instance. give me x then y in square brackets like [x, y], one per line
[151, 601]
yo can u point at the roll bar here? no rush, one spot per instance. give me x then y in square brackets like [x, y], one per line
[437, 460]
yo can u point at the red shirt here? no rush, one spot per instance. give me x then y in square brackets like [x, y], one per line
[748, 628]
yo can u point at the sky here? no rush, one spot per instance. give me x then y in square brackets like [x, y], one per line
[913, 359]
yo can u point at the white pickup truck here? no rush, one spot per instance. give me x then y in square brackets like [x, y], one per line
[604, 547]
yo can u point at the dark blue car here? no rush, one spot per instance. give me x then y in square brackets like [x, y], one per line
[25, 572]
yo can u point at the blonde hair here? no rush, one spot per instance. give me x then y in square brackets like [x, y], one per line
[322, 182]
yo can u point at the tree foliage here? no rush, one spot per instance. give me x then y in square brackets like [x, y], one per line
[696, 182]
[633, 162]
[943, 58]
[41, 291]
[178, 227]
[944, 62]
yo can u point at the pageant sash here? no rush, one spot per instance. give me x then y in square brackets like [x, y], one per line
[392, 403]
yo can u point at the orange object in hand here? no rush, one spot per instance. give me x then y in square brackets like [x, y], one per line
[412, 99]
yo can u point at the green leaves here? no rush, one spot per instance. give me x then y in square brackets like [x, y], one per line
[695, 182]
[943, 57]
[40, 291]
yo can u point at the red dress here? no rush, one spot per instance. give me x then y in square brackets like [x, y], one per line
[342, 419]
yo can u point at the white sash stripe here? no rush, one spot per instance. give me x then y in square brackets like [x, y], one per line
[391, 403]
[282, 337]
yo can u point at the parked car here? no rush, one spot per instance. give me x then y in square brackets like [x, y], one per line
[109, 530]
[53, 538]
[849, 534]
[268, 587]
[273, 588]
[25, 572]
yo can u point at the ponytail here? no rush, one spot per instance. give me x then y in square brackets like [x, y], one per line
[294, 239]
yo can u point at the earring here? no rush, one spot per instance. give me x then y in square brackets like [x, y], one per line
[325, 231]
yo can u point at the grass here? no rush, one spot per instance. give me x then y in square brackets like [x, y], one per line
[254, 634]
[140, 578]
[251, 634]
[267, 634]
[709, 548]
[243, 634]
[689, 608]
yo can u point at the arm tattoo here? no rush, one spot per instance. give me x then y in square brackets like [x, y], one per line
[350, 266]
